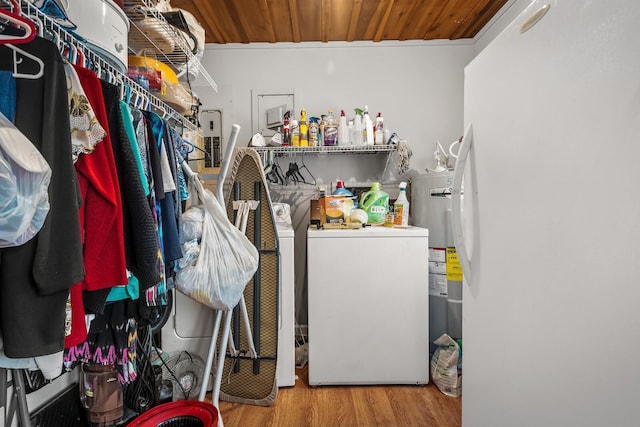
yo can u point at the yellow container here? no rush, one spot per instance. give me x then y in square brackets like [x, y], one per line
[142, 61]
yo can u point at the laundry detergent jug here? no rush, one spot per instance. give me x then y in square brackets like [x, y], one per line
[376, 203]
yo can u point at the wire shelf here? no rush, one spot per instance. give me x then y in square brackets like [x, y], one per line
[151, 35]
[337, 149]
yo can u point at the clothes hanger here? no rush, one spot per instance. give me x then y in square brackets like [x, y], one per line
[19, 23]
[303, 168]
[17, 61]
[10, 41]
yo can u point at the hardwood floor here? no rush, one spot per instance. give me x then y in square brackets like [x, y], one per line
[366, 406]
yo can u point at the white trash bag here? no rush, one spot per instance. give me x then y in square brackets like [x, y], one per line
[24, 187]
[227, 260]
[446, 366]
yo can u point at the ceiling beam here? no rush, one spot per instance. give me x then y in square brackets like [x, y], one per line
[383, 23]
[325, 20]
[266, 13]
[477, 22]
[239, 16]
[353, 21]
[375, 20]
[208, 14]
[295, 24]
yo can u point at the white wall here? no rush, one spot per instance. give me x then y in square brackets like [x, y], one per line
[416, 85]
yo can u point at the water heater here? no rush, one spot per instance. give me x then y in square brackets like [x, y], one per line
[431, 208]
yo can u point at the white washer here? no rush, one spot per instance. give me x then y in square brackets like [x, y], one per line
[190, 325]
[368, 306]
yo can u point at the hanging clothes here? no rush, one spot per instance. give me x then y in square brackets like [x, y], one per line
[86, 131]
[35, 278]
[101, 213]
[8, 95]
[181, 154]
[86, 134]
[140, 229]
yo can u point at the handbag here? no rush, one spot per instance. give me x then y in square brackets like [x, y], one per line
[226, 262]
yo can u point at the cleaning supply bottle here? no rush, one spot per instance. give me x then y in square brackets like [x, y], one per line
[330, 130]
[401, 207]
[357, 128]
[376, 203]
[379, 131]
[304, 129]
[314, 132]
[343, 130]
[295, 133]
[341, 190]
[368, 127]
[286, 131]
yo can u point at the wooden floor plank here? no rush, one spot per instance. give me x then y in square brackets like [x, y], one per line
[347, 406]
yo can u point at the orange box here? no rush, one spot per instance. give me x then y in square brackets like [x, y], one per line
[335, 209]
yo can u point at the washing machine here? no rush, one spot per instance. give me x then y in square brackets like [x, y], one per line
[190, 324]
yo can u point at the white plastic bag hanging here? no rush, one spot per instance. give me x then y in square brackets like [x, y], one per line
[226, 262]
[24, 186]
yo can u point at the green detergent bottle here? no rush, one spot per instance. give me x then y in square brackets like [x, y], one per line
[376, 203]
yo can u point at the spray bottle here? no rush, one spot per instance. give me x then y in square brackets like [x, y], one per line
[357, 128]
[368, 127]
[286, 132]
[304, 129]
[343, 130]
[401, 207]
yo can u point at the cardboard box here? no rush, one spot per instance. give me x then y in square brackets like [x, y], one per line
[335, 209]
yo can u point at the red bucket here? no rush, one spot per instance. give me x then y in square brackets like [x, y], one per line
[184, 413]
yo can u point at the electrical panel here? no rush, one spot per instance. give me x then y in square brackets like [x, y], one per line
[211, 122]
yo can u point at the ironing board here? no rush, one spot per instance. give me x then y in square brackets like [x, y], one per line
[250, 367]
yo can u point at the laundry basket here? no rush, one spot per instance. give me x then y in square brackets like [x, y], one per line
[181, 413]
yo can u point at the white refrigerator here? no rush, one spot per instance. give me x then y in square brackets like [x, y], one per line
[548, 226]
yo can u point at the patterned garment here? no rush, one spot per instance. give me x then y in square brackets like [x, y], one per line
[86, 132]
[112, 341]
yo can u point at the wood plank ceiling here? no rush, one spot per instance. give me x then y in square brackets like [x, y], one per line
[273, 21]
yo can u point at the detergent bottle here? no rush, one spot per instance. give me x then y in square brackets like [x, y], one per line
[341, 190]
[376, 203]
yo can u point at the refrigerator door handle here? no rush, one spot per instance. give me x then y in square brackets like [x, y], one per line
[456, 203]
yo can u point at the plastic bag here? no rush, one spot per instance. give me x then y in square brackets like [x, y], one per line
[226, 262]
[446, 366]
[192, 220]
[24, 187]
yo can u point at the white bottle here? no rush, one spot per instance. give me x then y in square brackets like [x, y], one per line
[343, 130]
[357, 130]
[379, 130]
[368, 127]
[401, 207]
